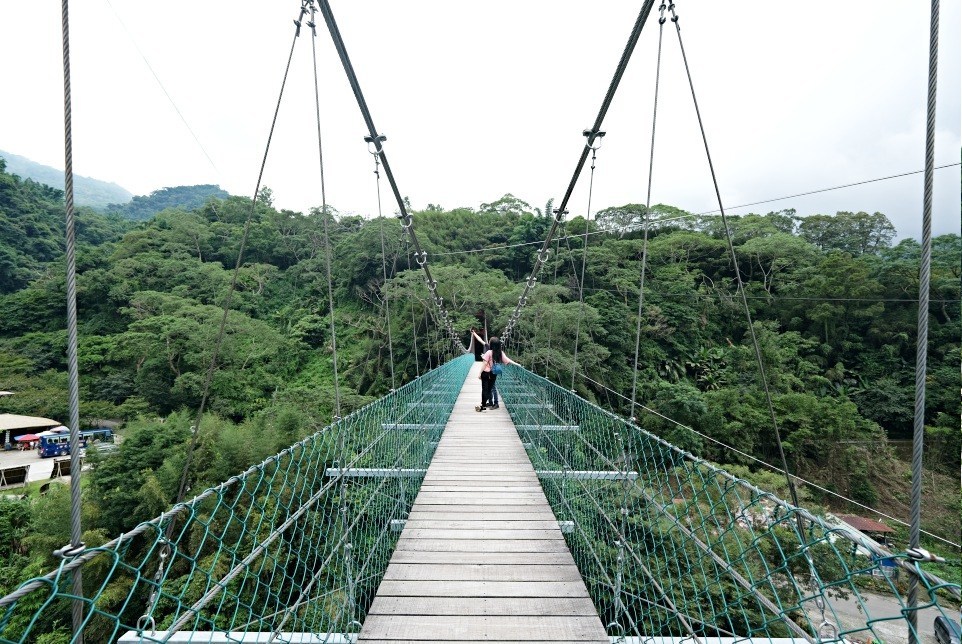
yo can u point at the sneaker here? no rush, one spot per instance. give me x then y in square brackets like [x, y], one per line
[478, 408]
[497, 406]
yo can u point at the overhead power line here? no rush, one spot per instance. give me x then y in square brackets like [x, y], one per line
[689, 215]
[846, 185]
[162, 87]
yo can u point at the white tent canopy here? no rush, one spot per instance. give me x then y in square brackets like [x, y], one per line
[15, 421]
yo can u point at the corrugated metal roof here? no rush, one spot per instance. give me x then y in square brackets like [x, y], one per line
[864, 524]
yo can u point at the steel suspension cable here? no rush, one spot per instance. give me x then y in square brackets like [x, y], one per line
[644, 247]
[325, 217]
[428, 341]
[818, 596]
[387, 305]
[595, 129]
[414, 324]
[73, 378]
[584, 259]
[551, 323]
[346, 526]
[407, 222]
[738, 276]
[218, 342]
[922, 346]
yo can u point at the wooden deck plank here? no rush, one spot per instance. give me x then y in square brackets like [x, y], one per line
[474, 508]
[479, 572]
[481, 524]
[520, 488]
[481, 557]
[550, 628]
[516, 534]
[394, 641]
[493, 558]
[481, 606]
[481, 513]
[469, 589]
[481, 545]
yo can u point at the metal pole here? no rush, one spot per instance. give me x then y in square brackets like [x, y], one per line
[72, 368]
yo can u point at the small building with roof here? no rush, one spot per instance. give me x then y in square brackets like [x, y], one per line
[876, 530]
[12, 424]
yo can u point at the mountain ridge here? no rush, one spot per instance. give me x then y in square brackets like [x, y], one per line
[88, 191]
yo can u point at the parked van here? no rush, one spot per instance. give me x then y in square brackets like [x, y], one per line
[56, 442]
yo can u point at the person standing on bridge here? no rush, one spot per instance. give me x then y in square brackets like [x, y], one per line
[477, 344]
[494, 358]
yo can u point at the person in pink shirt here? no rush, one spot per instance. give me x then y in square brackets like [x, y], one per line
[491, 358]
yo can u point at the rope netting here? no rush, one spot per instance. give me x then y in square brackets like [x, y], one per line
[672, 545]
[296, 544]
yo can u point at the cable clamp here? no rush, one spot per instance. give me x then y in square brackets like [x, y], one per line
[432, 285]
[559, 214]
[594, 138]
[532, 281]
[69, 551]
[297, 23]
[421, 258]
[921, 554]
[374, 144]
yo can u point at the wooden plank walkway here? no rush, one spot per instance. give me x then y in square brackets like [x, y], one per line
[481, 558]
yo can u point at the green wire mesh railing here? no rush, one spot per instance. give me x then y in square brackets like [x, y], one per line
[296, 544]
[671, 545]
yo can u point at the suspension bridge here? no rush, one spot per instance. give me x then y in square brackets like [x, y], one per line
[415, 518]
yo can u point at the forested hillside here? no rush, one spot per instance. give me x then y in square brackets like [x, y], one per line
[87, 192]
[32, 230]
[186, 197]
[831, 297]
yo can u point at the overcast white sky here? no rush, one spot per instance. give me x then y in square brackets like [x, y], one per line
[480, 99]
